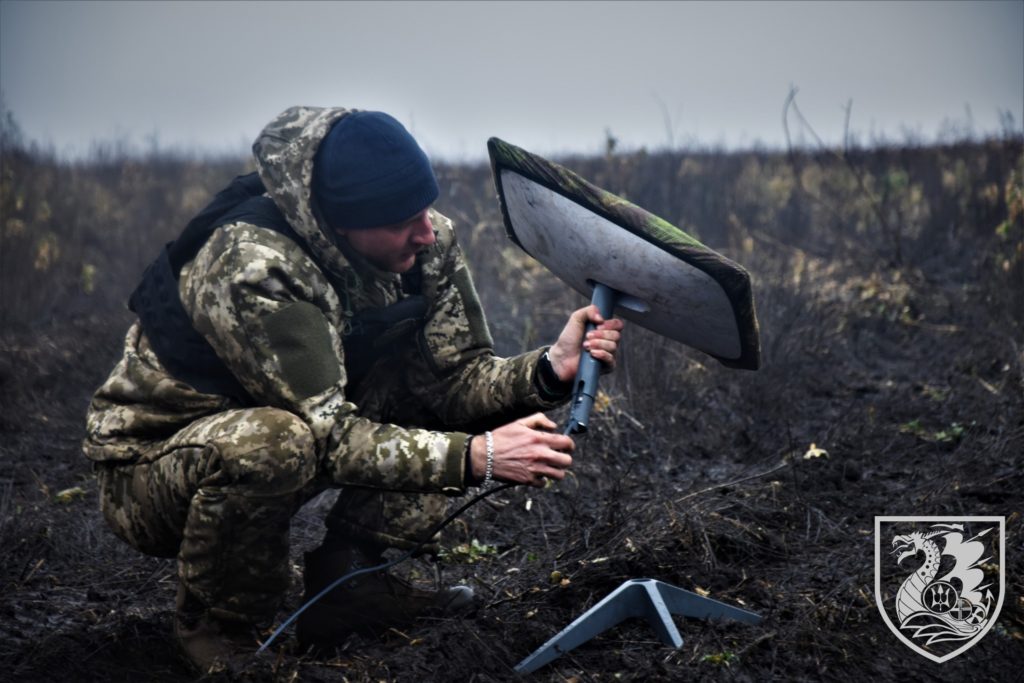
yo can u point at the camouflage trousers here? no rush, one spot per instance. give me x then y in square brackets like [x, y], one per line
[220, 494]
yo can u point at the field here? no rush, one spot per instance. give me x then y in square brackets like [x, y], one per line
[888, 284]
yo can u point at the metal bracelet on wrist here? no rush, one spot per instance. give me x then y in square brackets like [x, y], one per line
[489, 469]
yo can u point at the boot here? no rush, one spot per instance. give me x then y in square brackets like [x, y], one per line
[368, 603]
[211, 644]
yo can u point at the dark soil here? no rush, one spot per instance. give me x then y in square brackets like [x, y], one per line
[910, 377]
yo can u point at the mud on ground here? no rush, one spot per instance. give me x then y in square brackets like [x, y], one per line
[910, 378]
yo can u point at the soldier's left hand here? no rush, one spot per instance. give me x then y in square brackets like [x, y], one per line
[602, 342]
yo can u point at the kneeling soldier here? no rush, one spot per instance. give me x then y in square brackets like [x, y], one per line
[316, 327]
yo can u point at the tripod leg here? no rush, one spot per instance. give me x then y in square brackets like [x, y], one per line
[653, 600]
[620, 604]
[687, 604]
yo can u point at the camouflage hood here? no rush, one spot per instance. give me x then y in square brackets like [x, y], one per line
[284, 152]
[277, 319]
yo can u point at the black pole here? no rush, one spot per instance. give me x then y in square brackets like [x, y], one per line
[585, 385]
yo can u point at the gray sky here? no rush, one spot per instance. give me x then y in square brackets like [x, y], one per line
[551, 77]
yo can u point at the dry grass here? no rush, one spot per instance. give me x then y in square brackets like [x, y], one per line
[692, 474]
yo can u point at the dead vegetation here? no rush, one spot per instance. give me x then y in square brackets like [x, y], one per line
[908, 372]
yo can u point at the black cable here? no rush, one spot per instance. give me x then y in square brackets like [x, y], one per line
[391, 563]
[383, 566]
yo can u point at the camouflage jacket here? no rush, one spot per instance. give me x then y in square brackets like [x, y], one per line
[276, 314]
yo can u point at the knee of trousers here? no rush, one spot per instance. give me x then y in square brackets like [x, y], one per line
[267, 452]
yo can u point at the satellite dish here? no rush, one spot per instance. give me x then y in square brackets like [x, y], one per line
[663, 279]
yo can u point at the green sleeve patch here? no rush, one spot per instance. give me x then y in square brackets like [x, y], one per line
[300, 338]
[471, 304]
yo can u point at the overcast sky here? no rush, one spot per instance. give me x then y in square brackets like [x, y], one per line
[551, 77]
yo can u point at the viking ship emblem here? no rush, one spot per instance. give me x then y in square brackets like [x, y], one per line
[939, 580]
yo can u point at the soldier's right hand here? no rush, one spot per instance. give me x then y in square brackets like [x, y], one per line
[525, 452]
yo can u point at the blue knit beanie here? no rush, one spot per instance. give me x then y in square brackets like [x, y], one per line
[369, 171]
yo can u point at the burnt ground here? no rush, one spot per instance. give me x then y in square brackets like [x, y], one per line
[703, 485]
[911, 378]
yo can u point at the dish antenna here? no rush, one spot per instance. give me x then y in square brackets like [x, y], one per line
[624, 258]
[657, 276]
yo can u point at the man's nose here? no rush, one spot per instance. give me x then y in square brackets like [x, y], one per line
[423, 231]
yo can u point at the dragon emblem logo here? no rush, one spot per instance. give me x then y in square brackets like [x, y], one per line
[939, 580]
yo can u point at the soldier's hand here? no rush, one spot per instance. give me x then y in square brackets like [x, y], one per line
[525, 452]
[602, 342]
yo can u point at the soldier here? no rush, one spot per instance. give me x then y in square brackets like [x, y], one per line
[316, 327]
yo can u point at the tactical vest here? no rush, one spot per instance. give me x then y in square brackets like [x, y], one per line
[186, 354]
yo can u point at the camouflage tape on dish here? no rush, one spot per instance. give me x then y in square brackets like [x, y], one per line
[736, 318]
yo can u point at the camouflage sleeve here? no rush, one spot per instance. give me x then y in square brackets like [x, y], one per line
[463, 380]
[267, 311]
